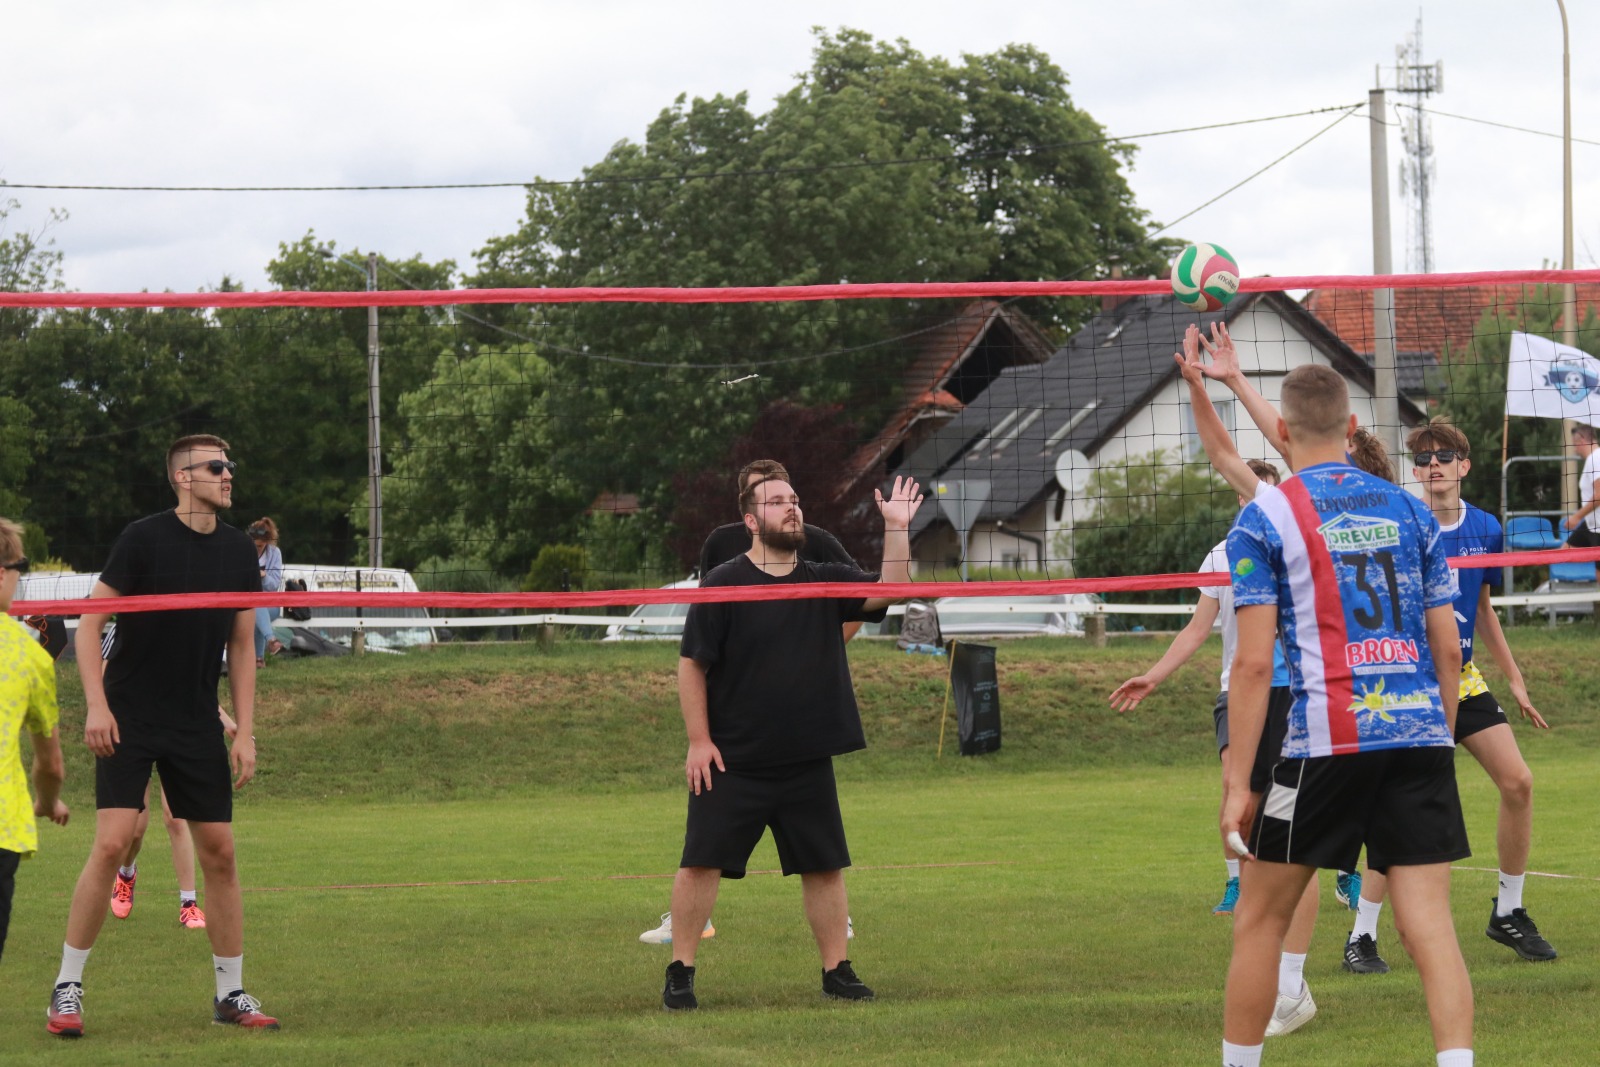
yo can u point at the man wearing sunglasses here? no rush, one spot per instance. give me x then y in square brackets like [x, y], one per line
[156, 706]
[27, 703]
[1440, 457]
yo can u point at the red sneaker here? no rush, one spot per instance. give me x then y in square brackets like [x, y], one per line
[241, 1009]
[191, 917]
[64, 1017]
[122, 895]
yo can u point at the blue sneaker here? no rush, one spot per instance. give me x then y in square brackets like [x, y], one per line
[1347, 888]
[1230, 897]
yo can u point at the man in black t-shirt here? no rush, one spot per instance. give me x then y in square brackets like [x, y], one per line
[156, 706]
[767, 703]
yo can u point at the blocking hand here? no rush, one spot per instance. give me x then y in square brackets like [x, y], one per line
[904, 499]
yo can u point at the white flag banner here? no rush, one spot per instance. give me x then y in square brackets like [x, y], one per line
[1552, 381]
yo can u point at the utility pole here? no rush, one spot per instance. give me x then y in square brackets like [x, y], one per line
[374, 427]
[1385, 381]
[1569, 309]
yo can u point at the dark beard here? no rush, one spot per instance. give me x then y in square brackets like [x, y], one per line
[784, 540]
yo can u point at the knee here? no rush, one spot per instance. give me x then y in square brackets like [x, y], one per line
[111, 846]
[215, 856]
[1516, 789]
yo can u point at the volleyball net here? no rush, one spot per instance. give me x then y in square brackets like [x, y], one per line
[569, 450]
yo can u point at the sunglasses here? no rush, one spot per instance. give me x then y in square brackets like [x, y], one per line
[215, 466]
[20, 566]
[1444, 455]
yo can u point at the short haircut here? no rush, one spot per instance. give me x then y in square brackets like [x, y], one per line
[1368, 452]
[762, 469]
[1436, 433]
[10, 541]
[747, 499]
[1265, 471]
[178, 451]
[263, 529]
[1316, 401]
[1584, 431]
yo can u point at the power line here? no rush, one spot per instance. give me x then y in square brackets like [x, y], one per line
[1490, 122]
[945, 157]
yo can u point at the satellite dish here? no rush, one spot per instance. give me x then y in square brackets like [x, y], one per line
[1073, 470]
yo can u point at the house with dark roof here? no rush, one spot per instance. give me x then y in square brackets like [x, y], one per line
[1112, 394]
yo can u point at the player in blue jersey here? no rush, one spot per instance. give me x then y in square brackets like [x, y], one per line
[1441, 453]
[1351, 571]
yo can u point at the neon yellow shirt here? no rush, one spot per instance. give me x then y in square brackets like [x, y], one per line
[27, 702]
[1472, 682]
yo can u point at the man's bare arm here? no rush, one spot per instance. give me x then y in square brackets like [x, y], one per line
[897, 511]
[99, 725]
[697, 724]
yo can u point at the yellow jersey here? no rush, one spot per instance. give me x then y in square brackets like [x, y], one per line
[27, 702]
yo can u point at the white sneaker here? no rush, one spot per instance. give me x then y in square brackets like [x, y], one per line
[662, 935]
[849, 928]
[1291, 1013]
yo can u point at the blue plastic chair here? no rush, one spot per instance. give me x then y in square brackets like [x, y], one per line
[1572, 572]
[1529, 533]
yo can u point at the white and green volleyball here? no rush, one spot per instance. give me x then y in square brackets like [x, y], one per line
[1204, 277]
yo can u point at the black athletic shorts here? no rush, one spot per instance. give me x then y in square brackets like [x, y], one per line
[1583, 537]
[193, 764]
[1477, 713]
[8, 885]
[799, 801]
[1279, 699]
[1401, 803]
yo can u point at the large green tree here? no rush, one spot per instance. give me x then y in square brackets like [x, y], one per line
[880, 164]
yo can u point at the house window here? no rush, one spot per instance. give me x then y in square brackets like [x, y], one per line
[1070, 425]
[1017, 429]
[1191, 437]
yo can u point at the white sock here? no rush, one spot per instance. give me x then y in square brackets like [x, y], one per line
[1243, 1055]
[72, 961]
[1510, 893]
[130, 871]
[1455, 1057]
[1291, 972]
[186, 896]
[230, 974]
[1233, 868]
[1367, 919]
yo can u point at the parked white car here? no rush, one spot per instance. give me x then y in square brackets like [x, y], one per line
[335, 579]
[1052, 614]
[654, 622]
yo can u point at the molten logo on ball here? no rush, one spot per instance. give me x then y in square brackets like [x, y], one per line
[1204, 277]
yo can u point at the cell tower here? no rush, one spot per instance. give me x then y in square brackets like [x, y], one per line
[1418, 81]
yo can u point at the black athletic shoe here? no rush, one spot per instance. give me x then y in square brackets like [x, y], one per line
[1518, 932]
[1361, 956]
[841, 983]
[678, 995]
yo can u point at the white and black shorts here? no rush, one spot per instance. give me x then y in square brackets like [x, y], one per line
[1401, 803]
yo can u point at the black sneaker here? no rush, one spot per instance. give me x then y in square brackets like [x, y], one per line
[841, 983]
[678, 995]
[1361, 956]
[1518, 932]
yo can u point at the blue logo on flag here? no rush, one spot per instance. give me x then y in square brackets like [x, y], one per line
[1574, 381]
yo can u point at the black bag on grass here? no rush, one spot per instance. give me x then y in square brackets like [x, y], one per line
[295, 585]
[976, 690]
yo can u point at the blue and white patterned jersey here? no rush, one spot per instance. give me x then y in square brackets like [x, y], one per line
[1351, 562]
[1476, 533]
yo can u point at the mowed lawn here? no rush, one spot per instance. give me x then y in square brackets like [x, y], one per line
[442, 887]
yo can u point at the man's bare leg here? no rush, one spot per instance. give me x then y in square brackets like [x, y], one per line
[213, 844]
[113, 834]
[694, 895]
[828, 912]
[1421, 899]
[1268, 898]
[1496, 749]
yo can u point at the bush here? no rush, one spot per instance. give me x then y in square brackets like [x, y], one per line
[557, 569]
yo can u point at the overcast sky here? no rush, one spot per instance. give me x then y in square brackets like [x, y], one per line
[336, 92]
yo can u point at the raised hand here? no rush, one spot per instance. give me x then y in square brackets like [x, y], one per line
[904, 500]
[1224, 357]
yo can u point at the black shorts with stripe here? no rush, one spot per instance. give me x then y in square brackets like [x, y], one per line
[1401, 803]
[1477, 713]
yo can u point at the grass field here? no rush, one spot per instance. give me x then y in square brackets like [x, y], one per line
[450, 855]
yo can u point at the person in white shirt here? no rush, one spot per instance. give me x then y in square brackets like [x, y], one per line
[1585, 522]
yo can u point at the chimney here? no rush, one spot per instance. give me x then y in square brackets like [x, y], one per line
[1113, 300]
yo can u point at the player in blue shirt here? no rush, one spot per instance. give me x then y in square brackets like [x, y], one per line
[1353, 571]
[1440, 452]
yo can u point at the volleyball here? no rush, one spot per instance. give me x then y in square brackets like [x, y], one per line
[1204, 277]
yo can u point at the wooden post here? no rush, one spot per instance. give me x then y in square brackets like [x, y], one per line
[1094, 628]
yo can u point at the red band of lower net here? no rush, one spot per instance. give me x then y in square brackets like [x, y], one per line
[721, 594]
